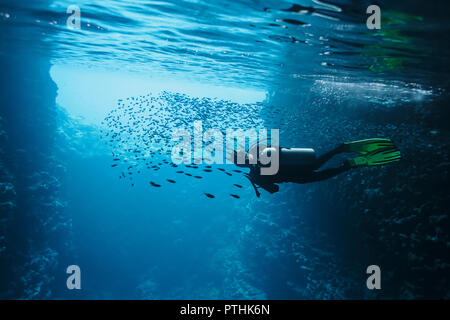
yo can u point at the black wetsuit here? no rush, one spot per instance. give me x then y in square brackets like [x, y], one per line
[297, 173]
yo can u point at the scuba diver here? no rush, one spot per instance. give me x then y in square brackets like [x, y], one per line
[300, 165]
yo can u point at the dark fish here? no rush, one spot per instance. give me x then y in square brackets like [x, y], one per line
[238, 171]
[235, 196]
[188, 174]
[221, 169]
[155, 184]
[298, 8]
[228, 173]
[238, 185]
[294, 22]
[171, 181]
[209, 195]
[180, 172]
[198, 177]
[207, 170]
[114, 165]
[116, 159]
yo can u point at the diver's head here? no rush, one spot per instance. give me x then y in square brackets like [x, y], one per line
[269, 160]
[242, 159]
[267, 152]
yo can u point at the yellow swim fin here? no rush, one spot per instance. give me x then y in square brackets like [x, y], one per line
[376, 158]
[368, 145]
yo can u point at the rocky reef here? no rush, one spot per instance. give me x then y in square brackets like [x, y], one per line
[34, 233]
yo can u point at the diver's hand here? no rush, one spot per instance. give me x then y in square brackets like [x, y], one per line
[232, 156]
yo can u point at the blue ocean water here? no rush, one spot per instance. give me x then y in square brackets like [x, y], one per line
[74, 100]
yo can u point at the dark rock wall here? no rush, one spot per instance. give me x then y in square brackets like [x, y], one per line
[33, 230]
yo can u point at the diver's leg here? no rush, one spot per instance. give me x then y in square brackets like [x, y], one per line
[327, 173]
[320, 161]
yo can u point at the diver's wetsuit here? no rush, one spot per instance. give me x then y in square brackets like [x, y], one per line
[297, 173]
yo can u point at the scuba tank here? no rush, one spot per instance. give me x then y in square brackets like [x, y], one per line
[293, 156]
[297, 156]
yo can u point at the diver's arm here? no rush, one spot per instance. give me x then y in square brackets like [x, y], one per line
[253, 185]
[258, 194]
[270, 187]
